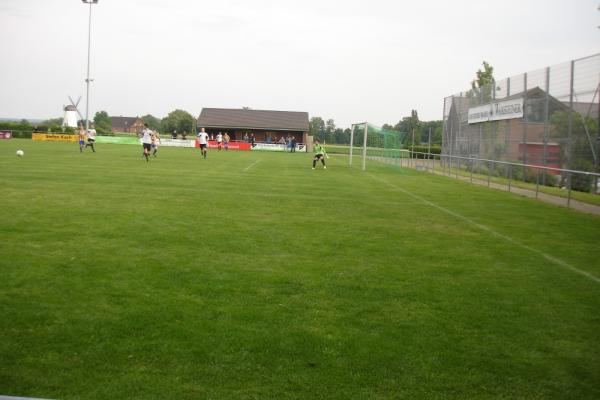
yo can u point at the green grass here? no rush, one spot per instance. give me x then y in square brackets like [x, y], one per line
[395, 154]
[251, 276]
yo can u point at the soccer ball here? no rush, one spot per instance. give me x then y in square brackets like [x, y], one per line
[20, 153]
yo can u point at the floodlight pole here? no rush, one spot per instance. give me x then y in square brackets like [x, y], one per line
[87, 79]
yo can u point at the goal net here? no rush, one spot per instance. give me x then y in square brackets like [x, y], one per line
[369, 141]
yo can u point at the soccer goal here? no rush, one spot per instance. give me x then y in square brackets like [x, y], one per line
[378, 144]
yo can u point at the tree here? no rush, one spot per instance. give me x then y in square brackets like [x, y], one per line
[436, 131]
[329, 130]
[102, 122]
[412, 126]
[483, 78]
[179, 120]
[482, 86]
[415, 125]
[53, 121]
[152, 121]
[316, 127]
[403, 125]
[341, 136]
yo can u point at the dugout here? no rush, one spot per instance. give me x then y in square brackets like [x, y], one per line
[266, 125]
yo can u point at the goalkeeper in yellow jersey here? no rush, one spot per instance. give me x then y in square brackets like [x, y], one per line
[320, 154]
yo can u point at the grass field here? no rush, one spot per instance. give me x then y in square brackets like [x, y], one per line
[250, 276]
[394, 156]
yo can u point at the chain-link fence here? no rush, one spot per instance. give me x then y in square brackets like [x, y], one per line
[544, 118]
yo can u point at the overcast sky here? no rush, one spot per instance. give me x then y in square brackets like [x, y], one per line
[348, 60]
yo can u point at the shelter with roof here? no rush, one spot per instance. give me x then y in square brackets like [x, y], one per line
[266, 125]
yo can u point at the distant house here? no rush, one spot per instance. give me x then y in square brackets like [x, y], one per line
[266, 125]
[127, 124]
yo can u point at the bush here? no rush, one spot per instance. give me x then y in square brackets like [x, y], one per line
[435, 149]
[549, 180]
[581, 182]
[15, 126]
[21, 134]
[499, 170]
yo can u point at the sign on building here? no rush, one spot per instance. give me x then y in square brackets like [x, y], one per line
[499, 110]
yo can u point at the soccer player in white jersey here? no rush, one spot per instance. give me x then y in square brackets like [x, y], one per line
[203, 140]
[147, 141]
[219, 140]
[91, 138]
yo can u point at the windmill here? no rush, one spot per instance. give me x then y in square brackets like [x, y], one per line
[72, 113]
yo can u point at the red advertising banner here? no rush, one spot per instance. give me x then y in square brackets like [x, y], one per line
[212, 144]
[5, 134]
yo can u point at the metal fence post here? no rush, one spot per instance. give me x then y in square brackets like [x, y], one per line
[525, 119]
[351, 144]
[364, 150]
[546, 123]
[569, 187]
[537, 183]
[489, 173]
[458, 167]
[443, 164]
[509, 175]
[471, 170]
[443, 161]
[570, 126]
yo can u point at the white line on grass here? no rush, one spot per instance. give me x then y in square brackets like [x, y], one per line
[251, 165]
[490, 230]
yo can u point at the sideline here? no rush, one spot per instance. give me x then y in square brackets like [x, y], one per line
[489, 230]
[251, 165]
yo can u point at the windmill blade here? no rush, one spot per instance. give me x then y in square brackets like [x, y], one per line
[75, 105]
[78, 113]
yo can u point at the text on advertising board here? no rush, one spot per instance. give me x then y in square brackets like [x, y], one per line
[507, 109]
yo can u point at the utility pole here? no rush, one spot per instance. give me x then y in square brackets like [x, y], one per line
[87, 79]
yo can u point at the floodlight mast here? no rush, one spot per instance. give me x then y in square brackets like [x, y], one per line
[87, 79]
